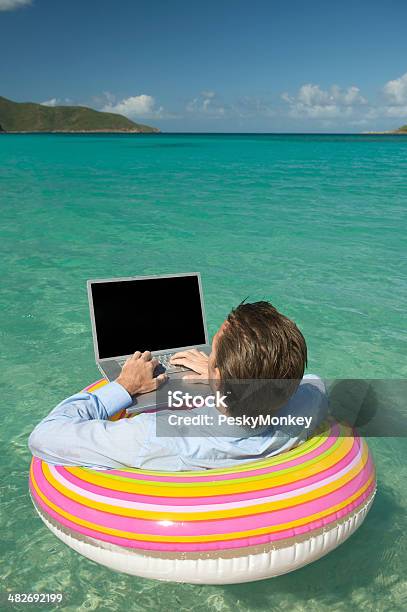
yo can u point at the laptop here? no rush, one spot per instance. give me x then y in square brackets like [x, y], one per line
[161, 314]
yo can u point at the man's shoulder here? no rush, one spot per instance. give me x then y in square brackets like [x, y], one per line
[313, 381]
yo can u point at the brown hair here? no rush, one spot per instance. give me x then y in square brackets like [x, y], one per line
[260, 343]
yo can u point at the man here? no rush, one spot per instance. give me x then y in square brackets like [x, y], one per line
[256, 342]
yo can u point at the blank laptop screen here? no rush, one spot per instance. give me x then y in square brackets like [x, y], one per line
[147, 314]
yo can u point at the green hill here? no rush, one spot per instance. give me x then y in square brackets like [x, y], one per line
[402, 130]
[31, 117]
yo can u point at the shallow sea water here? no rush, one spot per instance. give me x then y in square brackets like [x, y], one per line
[316, 224]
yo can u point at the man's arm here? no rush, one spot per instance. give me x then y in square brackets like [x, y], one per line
[77, 431]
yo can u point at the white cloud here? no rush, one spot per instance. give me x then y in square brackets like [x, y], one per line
[135, 106]
[109, 97]
[395, 111]
[51, 102]
[333, 107]
[352, 96]
[394, 101]
[12, 5]
[316, 103]
[208, 94]
[348, 105]
[396, 91]
[359, 122]
[385, 111]
[207, 103]
[57, 102]
[311, 95]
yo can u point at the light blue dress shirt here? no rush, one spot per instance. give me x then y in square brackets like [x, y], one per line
[78, 432]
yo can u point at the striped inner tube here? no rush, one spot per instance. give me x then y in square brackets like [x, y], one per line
[321, 482]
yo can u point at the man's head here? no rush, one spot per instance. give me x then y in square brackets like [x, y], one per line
[257, 343]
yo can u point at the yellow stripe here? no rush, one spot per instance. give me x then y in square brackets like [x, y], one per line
[203, 538]
[313, 443]
[97, 385]
[209, 488]
[210, 515]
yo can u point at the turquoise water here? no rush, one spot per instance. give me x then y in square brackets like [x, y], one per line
[316, 224]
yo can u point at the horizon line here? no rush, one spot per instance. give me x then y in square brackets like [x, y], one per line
[194, 133]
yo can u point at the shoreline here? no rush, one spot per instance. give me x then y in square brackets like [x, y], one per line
[157, 131]
[386, 133]
[78, 132]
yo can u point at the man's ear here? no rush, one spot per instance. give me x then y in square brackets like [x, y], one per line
[216, 373]
[215, 378]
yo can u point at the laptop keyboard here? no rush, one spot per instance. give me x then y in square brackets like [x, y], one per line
[164, 360]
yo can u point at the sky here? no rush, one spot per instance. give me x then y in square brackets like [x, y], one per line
[213, 65]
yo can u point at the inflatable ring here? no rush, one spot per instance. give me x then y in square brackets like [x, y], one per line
[217, 526]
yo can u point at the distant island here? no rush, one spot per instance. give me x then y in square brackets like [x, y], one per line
[20, 117]
[400, 130]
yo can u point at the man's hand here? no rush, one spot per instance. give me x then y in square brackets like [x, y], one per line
[195, 360]
[137, 375]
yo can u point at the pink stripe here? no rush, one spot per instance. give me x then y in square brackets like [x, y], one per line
[89, 387]
[207, 546]
[228, 498]
[138, 525]
[331, 439]
[134, 505]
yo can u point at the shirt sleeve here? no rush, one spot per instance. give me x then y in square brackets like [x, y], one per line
[77, 431]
